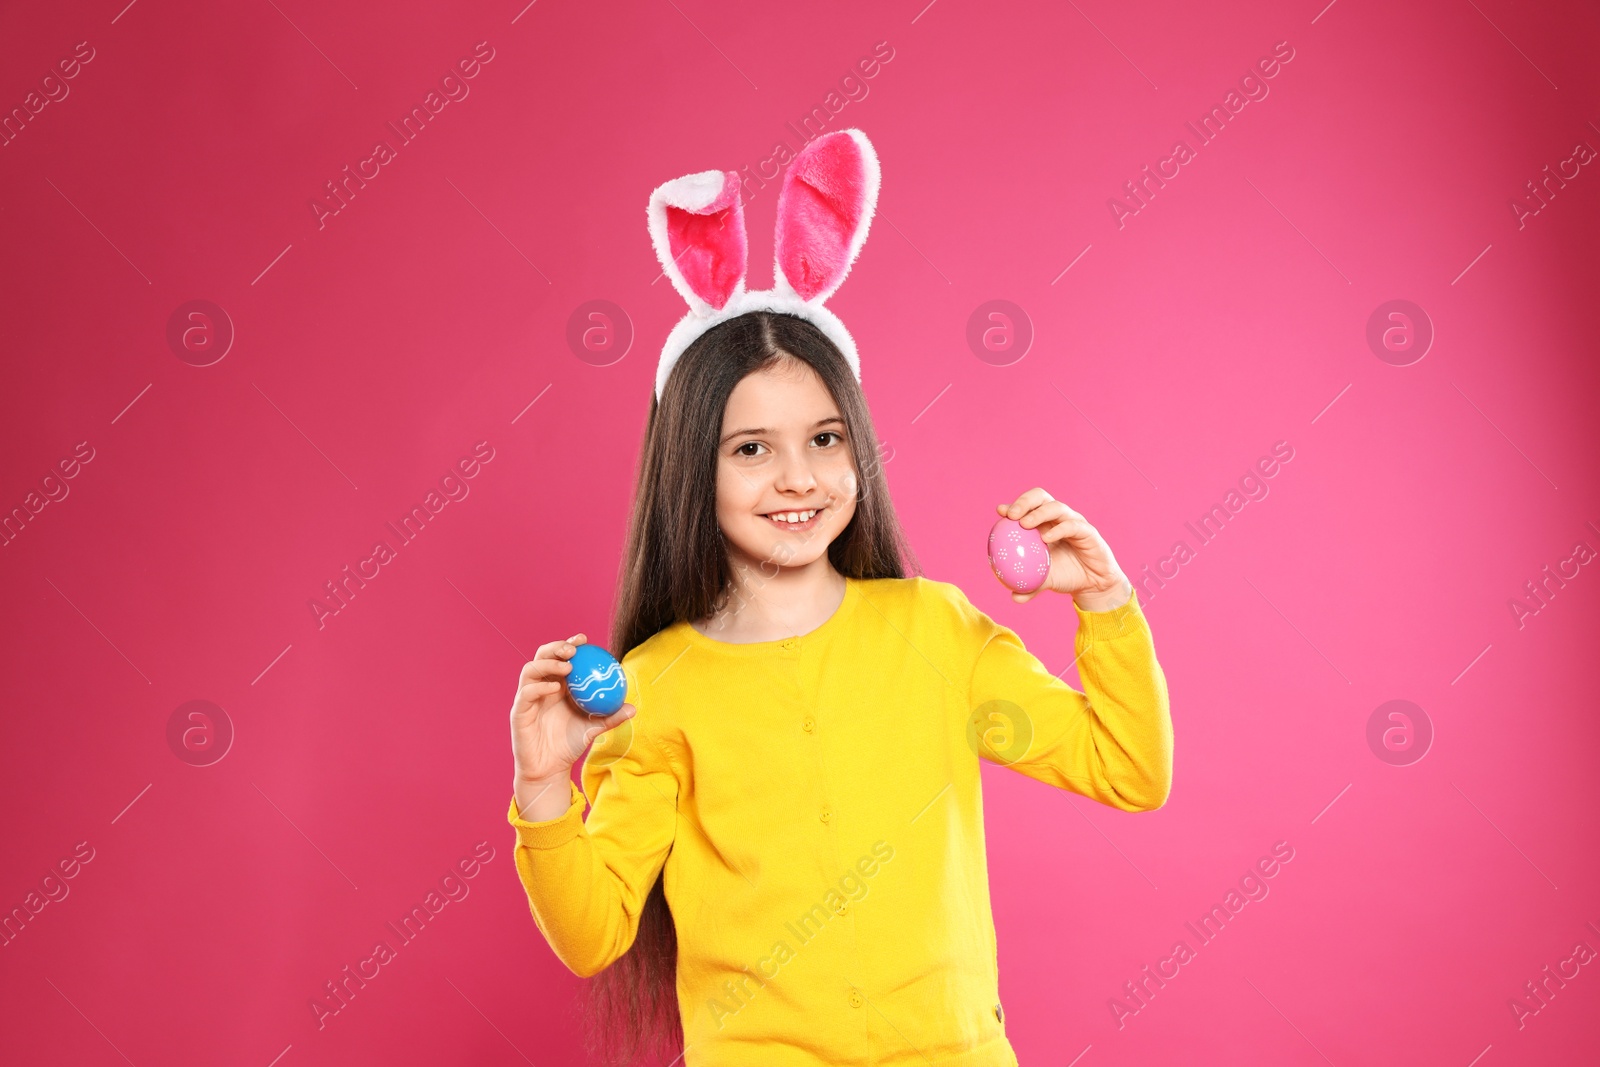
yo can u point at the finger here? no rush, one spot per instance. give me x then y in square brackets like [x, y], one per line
[1023, 598]
[1059, 509]
[532, 669]
[557, 649]
[554, 652]
[615, 719]
[544, 670]
[530, 691]
[1048, 511]
[1026, 502]
[618, 717]
[1076, 530]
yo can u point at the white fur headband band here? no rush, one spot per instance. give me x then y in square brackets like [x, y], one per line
[824, 209]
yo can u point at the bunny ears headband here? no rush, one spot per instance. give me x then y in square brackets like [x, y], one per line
[824, 209]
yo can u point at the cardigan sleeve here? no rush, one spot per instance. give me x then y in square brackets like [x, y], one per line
[587, 881]
[1112, 742]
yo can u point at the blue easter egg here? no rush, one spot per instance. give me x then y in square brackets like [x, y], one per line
[596, 683]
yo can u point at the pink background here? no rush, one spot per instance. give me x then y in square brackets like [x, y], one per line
[373, 353]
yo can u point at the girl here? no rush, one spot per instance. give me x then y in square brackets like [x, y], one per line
[784, 862]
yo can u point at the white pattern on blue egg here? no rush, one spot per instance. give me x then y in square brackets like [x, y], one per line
[597, 682]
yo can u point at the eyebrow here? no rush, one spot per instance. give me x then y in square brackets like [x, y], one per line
[762, 429]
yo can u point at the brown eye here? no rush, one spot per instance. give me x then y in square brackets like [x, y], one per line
[828, 433]
[740, 451]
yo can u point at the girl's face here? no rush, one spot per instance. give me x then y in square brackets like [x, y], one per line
[783, 455]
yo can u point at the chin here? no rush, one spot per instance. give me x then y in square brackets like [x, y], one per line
[799, 559]
[793, 550]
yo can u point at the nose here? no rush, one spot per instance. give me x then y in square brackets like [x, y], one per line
[794, 473]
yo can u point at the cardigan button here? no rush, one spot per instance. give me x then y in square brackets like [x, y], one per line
[809, 725]
[827, 814]
[1000, 1015]
[791, 644]
[855, 999]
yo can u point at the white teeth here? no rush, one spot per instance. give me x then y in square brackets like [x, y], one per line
[793, 516]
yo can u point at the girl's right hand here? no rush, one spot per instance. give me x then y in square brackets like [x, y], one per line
[549, 732]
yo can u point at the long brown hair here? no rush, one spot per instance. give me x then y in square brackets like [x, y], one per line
[676, 569]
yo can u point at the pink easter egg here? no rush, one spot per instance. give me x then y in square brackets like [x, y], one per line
[1018, 555]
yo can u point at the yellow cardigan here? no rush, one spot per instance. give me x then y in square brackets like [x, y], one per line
[776, 785]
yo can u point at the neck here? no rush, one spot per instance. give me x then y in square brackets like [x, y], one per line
[763, 606]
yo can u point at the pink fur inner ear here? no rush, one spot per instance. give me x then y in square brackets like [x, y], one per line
[709, 245]
[819, 209]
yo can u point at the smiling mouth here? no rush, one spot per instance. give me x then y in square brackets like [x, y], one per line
[806, 518]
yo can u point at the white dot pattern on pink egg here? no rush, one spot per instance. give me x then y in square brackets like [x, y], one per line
[1020, 561]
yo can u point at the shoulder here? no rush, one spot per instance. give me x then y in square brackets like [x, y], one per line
[917, 591]
[654, 645]
[922, 603]
[644, 666]
[645, 663]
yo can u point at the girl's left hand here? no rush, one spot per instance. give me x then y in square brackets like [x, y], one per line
[1081, 563]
